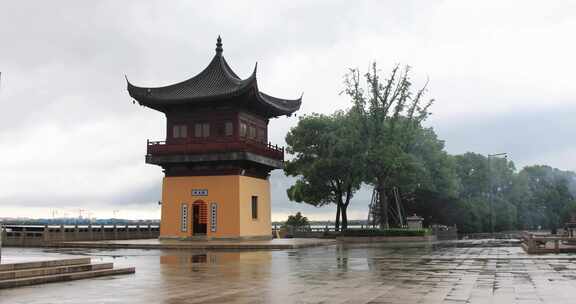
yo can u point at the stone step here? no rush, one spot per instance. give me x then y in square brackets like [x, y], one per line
[65, 277]
[43, 264]
[35, 272]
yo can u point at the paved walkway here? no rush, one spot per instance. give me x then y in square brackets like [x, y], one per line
[364, 273]
[177, 244]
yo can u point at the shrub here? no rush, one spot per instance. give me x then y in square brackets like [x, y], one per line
[297, 221]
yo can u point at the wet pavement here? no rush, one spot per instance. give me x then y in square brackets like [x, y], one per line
[469, 272]
[202, 245]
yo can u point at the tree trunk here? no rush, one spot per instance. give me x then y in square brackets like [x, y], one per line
[337, 222]
[383, 202]
[344, 217]
[345, 207]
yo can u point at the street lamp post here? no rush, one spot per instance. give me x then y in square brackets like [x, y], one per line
[490, 184]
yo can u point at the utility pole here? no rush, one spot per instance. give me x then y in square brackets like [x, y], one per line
[491, 187]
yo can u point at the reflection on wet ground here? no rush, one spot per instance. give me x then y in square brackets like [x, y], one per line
[370, 273]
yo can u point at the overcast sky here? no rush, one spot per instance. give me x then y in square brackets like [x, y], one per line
[502, 73]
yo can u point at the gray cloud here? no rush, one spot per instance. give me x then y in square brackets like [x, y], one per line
[141, 196]
[529, 135]
[69, 131]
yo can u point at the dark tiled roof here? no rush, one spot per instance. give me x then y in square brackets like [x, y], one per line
[289, 105]
[216, 81]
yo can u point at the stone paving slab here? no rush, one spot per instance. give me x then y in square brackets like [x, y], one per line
[43, 264]
[52, 270]
[64, 277]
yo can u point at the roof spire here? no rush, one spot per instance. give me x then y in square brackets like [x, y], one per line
[219, 49]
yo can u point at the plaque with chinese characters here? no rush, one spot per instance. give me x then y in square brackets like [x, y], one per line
[199, 192]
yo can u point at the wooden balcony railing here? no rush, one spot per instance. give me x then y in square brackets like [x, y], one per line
[263, 149]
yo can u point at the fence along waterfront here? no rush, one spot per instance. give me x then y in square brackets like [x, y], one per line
[28, 235]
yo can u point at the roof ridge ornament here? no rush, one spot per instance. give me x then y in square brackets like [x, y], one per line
[255, 69]
[219, 48]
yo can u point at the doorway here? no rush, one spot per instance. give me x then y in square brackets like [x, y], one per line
[199, 218]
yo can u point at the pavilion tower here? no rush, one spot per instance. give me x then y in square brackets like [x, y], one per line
[216, 157]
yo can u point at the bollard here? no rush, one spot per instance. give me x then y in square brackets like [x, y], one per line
[23, 237]
[90, 232]
[556, 246]
[531, 244]
[76, 233]
[46, 234]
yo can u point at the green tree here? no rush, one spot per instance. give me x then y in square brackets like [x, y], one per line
[297, 220]
[328, 162]
[400, 153]
[494, 197]
[473, 175]
[551, 198]
[487, 189]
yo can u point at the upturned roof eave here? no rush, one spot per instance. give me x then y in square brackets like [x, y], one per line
[251, 83]
[291, 105]
[140, 94]
[229, 85]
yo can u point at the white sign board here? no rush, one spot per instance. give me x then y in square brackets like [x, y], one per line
[199, 192]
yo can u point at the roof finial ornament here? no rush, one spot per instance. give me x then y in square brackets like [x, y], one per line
[219, 49]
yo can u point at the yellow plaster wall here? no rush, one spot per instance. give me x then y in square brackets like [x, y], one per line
[262, 226]
[223, 190]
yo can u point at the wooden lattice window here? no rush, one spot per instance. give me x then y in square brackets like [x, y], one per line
[179, 131]
[243, 129]
[228, 128]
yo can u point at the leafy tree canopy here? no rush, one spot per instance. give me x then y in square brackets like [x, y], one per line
[328, 161]
[297, 220]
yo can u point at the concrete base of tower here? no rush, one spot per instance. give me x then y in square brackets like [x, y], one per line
[232, 207]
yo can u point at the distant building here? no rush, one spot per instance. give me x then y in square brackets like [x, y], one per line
[216, 156]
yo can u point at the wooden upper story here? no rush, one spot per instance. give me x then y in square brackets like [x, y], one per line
[215, 119]
[209, 131]
[215, 126]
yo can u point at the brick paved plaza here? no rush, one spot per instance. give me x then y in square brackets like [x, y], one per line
[331, 274]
